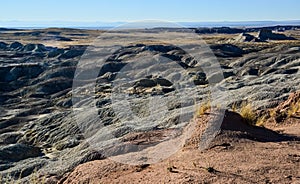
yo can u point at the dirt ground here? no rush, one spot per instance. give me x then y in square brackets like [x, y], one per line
[238, 161]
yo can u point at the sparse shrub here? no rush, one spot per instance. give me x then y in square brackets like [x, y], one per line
[272, 113]
[294, 108]
[248, 114]
[234, 107]
[203, 108]
[261, 121]
[280, 115]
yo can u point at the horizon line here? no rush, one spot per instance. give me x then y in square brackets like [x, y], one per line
[99, 24]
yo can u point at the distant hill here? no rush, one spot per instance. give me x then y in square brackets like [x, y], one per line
[240, 23]
[107, 25]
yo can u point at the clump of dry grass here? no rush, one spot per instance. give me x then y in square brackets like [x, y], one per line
[261, 121]
[272, 113]
[234, 107]
[248, 113]
[293, 109]
[203, 108]
[289, 111]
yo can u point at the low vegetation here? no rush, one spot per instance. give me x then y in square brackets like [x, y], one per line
[293, 109]
[234, 107]
[261, 121]
[203, 108]
[290, 110]
[248, 113]
[245, 110]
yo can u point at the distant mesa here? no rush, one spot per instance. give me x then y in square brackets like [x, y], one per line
[263, 35]
[267, 34]
[233, 30]
[247, 34]
[219, 30]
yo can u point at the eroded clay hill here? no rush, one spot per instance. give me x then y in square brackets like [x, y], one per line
[39, 133]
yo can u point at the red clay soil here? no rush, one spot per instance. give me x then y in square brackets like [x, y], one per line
[240, 153]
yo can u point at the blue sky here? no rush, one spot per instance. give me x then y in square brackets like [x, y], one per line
[133, 10]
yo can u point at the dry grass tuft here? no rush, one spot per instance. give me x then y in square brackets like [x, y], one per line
[248, 114]
[293, 109]
[272, 113]
[234, 107]
[261, 121]
[203, 109]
